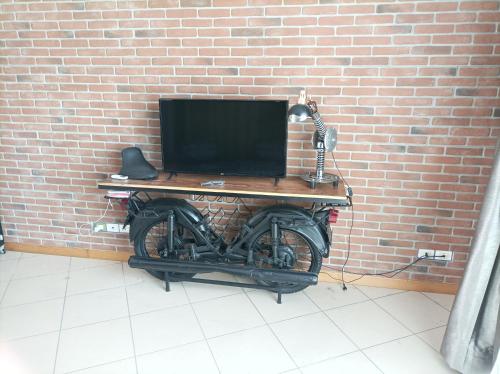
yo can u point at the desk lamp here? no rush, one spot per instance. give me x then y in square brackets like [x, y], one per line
[323, 140]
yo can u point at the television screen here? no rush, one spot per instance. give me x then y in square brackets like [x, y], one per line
[226, 137]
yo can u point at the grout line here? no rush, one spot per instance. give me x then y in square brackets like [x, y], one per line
[9, 280]
[3, 307]
[401, 322]
[98, 365]
[68, 272]
[201, 328]
[369, 359]
[62, 316]
[379, 297]
[338, 327]
[130, 323]
[171, 348]
[272, 332]
[426, 342]
[430, 298]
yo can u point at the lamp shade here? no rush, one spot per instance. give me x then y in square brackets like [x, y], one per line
[299, 113]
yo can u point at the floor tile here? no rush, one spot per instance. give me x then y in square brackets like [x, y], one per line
[41, 265]
[28, 290]
[10, 255]
[294, 305]
[408, 355]
[227, 314]
[34, 354]
[376, 292]
[3, 287]
[150, 295]
[133, 276]
[30, 319]
[433, 337]
[95, 279]
[91, 345]
[312, 338]
[446, 301]
[119, 367]
[31, 254]
[200, 292]
[251, 351]
[351, 363]
[414, 310]
[186, 359]
[80, 263]
[367, 324]
[164, 329]
[94, 307]
[331, 295]
[7, 269]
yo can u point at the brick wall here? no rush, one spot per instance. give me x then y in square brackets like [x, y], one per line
[412, 87]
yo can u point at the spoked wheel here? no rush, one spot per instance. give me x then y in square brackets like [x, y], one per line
[153, 242]
[295, 252]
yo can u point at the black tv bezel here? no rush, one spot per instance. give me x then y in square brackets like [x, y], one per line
[162, 136]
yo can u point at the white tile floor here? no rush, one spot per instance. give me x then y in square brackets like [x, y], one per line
[72, 315]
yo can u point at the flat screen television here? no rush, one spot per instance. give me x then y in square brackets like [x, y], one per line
[224, 137]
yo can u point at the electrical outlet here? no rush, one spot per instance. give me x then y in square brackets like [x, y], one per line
[436, 255]
[113, 227]
[426, 253]
[124, 229]
[448, 255]
[99, 227]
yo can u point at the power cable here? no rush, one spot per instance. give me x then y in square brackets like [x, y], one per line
[361, 275]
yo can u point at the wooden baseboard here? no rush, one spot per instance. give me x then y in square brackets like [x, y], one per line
[325, 276]
[73, 252]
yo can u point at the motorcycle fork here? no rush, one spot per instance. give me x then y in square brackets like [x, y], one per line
[275, 238]
[170, 230]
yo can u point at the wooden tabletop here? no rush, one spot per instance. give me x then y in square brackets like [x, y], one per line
[289, 188]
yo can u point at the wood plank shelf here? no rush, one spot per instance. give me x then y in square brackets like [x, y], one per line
[290, 188]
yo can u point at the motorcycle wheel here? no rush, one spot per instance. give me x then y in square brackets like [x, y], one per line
[296, 252]
[152, 242]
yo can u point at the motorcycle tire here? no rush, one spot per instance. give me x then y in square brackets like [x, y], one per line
[263, 250]
[141, 247]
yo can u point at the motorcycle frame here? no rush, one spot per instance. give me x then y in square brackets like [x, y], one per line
[214, 248]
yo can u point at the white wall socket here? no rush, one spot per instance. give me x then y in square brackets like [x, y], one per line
[448, 255]
[99, 227]
[109, 227]
[436, 255]
[425, 252]
[113, 227]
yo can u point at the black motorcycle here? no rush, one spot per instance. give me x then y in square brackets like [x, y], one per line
[280, 247]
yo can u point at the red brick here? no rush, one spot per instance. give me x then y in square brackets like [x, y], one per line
[479, 5]
[437, 7]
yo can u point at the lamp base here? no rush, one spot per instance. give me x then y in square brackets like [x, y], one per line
[313, 180]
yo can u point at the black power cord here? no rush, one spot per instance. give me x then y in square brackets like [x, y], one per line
[361, 275]
[383, 274]
[349, 195]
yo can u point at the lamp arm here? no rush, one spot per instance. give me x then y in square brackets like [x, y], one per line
[320, 126]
